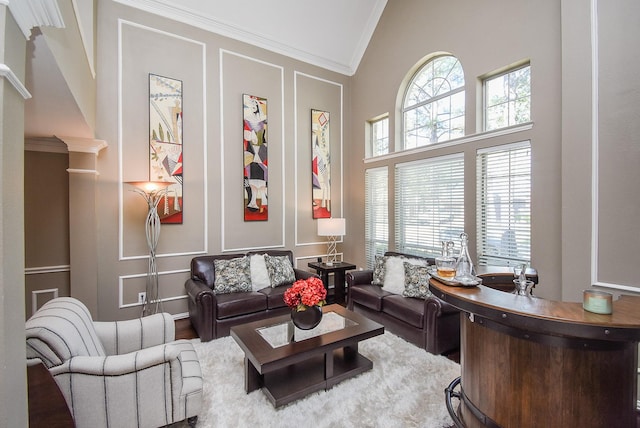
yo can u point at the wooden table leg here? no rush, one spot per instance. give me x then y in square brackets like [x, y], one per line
[252, 379]
[328, 365]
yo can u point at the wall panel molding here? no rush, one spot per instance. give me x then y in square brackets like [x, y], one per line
[202, 61]
[296, 100]
[122, 279]
[225, 223]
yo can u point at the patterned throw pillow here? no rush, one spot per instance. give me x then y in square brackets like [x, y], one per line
[232, 276]
[379, 270]
[280, 270]
[416, 281]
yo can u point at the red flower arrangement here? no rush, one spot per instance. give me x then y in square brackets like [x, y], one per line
[305, 292]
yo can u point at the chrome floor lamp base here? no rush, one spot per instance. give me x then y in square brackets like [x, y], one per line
[152, 192]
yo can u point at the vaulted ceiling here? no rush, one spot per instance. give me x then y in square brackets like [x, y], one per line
[332, 34]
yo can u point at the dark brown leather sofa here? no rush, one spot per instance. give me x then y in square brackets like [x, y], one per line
[212, 315]
[431, 323]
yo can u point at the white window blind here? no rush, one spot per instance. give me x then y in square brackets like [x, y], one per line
[376, 213]
[504, 205]
[429, 205]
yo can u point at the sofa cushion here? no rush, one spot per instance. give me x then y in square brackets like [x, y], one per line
[275, 296]
[236, 304]
[407, 309]
[232, 276]
[369, 295]
[280, 270]
[416, 281]
[259, 274]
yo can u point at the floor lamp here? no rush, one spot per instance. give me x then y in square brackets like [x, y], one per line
[332, 228]
[152, 192]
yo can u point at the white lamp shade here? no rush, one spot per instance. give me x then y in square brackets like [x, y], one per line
[331, 227]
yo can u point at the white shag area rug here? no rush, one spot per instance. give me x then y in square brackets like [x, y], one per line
[404, 389]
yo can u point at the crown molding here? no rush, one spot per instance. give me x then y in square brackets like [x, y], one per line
[178, 13]
[35, 13]
[83, 145]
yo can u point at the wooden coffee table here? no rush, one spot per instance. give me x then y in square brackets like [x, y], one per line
[289, 364]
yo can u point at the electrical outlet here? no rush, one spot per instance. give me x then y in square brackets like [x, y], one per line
[142, 296]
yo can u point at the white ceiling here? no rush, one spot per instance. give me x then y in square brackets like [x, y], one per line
[332, 34]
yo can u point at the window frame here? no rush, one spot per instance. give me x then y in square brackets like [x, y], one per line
[493, 76]
[371, 134]
[460, 90]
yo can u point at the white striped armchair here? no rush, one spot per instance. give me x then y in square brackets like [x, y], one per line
[116, 374]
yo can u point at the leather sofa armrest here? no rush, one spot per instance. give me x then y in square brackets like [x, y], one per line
[441, 326]
[303, 274]
[202, 308]
[197, 289]
[358, 277]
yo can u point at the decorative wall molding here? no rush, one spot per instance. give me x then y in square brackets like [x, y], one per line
[8, 74]
[205, 196]
[84, 145]
[181, 13]
[223, 244]
[47, 269]
[34, 297]
[82, 171]
[47, 145]
[297, 74]
[123, 278]
[36, 13]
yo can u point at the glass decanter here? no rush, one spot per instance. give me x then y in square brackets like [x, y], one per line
[524, 287]
[446, 263]
[465, 271]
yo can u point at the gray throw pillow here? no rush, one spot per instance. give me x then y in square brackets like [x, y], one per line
[379, 270]
[416, 281]
[232, 276]
[280, 270]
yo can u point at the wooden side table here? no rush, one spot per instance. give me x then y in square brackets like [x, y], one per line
[338, 269]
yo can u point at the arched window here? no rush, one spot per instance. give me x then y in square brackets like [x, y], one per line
[433, 106]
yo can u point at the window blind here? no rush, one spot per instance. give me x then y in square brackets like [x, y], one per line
[376, 213]
[504, 205]
[429, 204]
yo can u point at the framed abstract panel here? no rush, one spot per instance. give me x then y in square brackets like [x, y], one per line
[320, 164]
[255, 158]
[165, 143]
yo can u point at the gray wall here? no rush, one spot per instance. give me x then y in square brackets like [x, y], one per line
[215, 72]
[578, 240]
[478, 34]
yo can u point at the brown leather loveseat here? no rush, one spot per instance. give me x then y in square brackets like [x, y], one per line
[429, 323]
[213, 314]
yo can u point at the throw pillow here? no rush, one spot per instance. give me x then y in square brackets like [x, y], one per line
[379, 270]
[394, 272]
[280, 270]
[232, 276]
[259, 274]
[416, 281]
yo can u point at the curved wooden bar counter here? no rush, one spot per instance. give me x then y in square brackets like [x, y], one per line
[530, 362]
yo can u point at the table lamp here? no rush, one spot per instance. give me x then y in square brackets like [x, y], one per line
[332, 228]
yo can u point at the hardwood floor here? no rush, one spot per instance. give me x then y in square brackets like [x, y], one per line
[184, 330]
